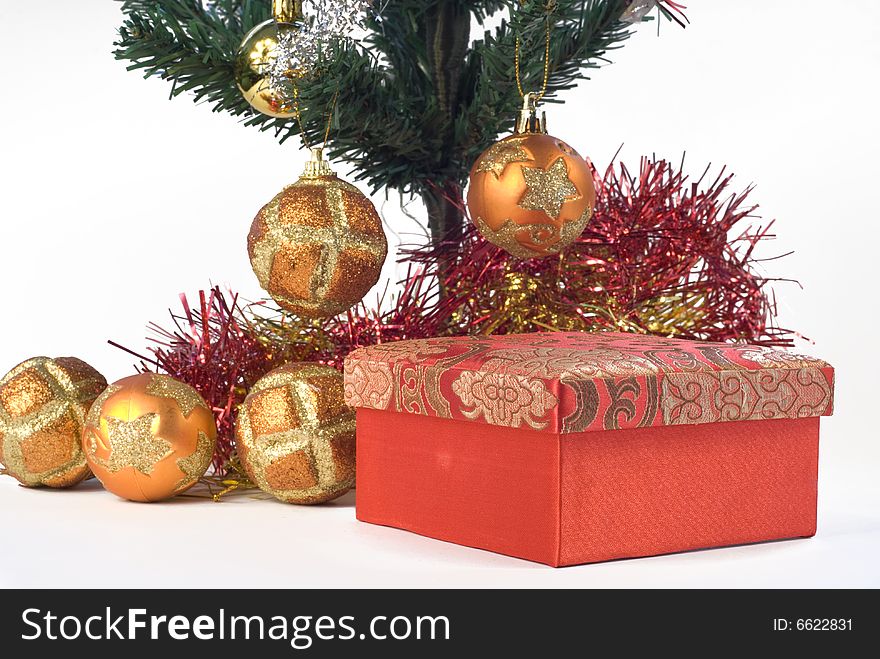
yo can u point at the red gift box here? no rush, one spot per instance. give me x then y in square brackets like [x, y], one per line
[569, 448]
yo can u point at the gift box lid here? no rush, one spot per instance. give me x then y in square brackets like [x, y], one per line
[569, 382]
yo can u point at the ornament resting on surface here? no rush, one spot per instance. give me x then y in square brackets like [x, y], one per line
[530, 193]
[43, 405]
[318, 246]
[256, 59]
[296, 436]
[149, 437]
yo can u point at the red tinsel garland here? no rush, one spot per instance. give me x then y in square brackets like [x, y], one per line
[221, 348]
[658, 257]
[216, 350]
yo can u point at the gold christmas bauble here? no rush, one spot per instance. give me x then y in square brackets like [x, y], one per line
[318, 246]
[296, 436]
[43, 405]
[149, 437]
[257, 54]
[530, 193]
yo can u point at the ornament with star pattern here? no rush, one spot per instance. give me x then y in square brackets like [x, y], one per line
[530, 193]
[318, 246]
[149, 437]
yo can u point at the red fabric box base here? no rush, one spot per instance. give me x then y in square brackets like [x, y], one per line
[590, 496]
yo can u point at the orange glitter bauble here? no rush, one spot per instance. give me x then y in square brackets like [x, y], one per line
[149, 437]
[43, 406]
[296, 436]
[318, 247]
[531, 194]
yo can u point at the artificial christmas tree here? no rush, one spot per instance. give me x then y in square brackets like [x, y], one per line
[415, 101]
[419, 97]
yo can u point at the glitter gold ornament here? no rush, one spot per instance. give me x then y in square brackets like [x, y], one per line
[530, 193]
[149, 437]
[256, 58]
[318, 246]
[43, 405]
[296, 436]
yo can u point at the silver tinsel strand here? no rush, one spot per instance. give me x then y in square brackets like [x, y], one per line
[301, 46]
[637, 10]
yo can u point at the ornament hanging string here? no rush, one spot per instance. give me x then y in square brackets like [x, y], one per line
[516, 55]
[302, 130]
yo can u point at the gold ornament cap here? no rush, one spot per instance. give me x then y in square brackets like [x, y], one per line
[287, 11]
[528, 121]
[317, 167]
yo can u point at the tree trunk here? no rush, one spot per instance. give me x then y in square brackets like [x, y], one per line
[445, 217]
[445, 222]
[447, 31]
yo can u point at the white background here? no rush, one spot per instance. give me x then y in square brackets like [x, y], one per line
[115, 200]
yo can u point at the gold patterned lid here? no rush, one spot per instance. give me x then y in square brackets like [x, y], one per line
[569, 382]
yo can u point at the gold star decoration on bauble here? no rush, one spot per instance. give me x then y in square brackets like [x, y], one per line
[186, 397]
[501, 154]
[547, 189]
[195, 464]
[133, 444]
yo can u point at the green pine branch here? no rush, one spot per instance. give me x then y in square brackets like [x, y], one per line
[192, 46]
[417, 101]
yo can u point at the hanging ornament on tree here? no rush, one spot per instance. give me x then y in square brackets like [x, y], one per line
[530, 193]
[149, 437]
[257, 55]
[318, 247]
[278, 52]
